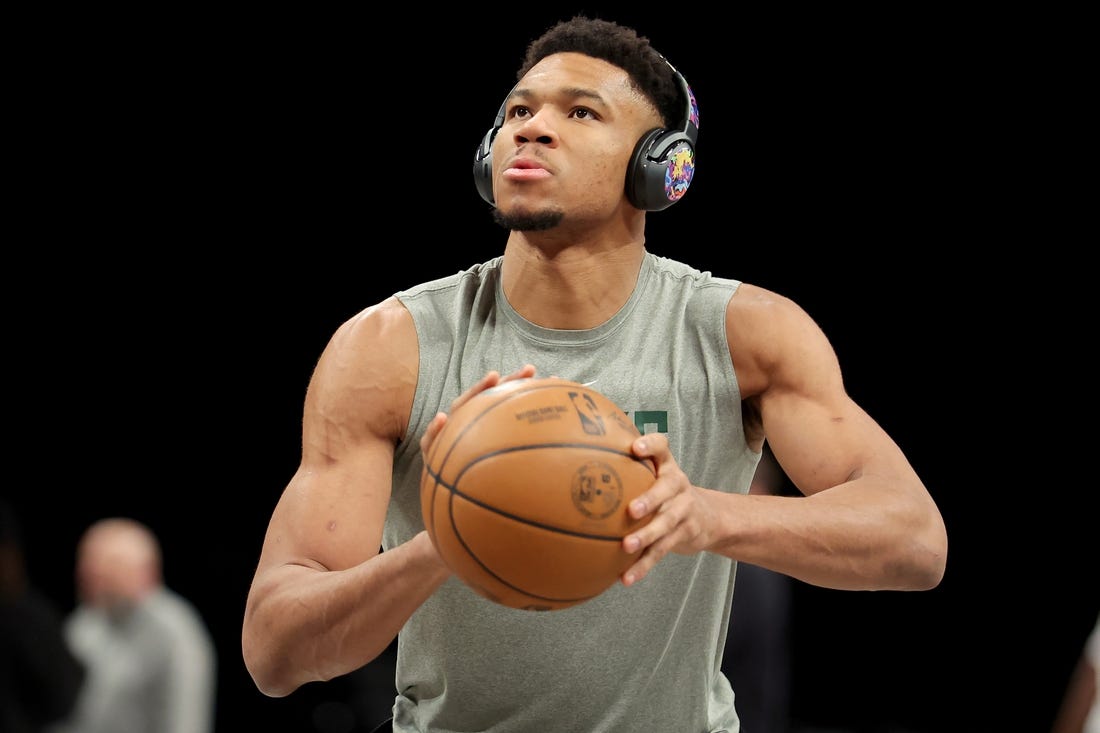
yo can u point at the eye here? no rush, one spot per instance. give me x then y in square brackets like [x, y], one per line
[521, 112]
[583, 113]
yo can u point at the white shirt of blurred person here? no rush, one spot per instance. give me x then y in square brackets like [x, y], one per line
[1090, 666]
[150, 657]
[1080, 708]
[1092, 653]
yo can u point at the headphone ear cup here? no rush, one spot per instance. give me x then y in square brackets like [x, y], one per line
[483, 166]
[660, 170]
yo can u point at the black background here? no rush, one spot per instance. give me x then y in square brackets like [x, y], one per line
[203, 199]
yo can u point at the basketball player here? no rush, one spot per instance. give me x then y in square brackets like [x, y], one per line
[599, 131]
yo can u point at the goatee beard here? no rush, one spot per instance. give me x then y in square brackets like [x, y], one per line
[528, 222]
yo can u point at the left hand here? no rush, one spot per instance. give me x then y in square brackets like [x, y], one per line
[682, 517]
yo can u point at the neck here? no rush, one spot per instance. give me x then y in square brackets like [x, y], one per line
[571, 286]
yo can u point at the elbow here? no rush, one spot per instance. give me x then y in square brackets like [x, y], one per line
[266, 682]
[913, 561]
[271, 677]
[915, 568]
[273, 690]
[929, 575]
[936, 568]
[929, 558]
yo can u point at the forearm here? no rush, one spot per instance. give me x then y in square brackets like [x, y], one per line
[855, 536]
[304, 624]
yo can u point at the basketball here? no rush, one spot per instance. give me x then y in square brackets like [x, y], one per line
[524, 492]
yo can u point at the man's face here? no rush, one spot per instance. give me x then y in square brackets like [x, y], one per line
[111, 571]
[570, 129]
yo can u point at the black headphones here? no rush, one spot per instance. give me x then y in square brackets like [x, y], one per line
[660, 169]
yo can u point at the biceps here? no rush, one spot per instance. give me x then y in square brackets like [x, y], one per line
[823, 440]
[331, 514]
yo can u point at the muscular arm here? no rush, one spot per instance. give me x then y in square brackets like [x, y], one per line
[866, 521]
[324, 601]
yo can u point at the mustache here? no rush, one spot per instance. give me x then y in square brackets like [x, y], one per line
[527, 150]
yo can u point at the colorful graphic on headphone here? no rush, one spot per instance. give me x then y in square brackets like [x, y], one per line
[693, 106]
[680, 170]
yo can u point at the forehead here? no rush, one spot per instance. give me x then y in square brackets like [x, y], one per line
[575, 72]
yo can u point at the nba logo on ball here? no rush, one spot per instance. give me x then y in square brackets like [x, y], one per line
[524, 493]
[597, 490]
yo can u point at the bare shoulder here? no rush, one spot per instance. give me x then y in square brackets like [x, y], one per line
[368, 370]
[773, 340]
[331, 513]
[373, 326]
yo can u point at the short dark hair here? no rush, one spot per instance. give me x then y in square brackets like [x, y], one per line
[616, 44]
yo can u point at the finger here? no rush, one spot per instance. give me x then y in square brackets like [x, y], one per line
[650, 500]
[647, 540]
[650, 535]
[655, 448]
[490, 379]
[646, 562]
[432, 430]
[524, 372]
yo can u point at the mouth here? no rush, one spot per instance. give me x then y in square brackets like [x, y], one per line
[524, 164]
[525, 169]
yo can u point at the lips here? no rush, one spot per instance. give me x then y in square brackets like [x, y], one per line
[524, 164]
[525, 169]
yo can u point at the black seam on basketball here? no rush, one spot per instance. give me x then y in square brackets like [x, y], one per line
[442, 463]
[458, 438]
[455, 491]
[473, 556]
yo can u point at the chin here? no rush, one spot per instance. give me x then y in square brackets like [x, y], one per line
[521, 220]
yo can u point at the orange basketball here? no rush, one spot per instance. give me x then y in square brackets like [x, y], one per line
[524, 492]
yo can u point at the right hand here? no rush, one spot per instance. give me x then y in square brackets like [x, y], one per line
[491, 379]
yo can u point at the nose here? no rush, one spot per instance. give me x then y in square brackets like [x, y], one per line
[538, 128]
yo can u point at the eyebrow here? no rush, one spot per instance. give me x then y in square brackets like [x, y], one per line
[571, 92]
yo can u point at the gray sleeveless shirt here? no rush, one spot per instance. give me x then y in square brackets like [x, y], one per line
[644, 659]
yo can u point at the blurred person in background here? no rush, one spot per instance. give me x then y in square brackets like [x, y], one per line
[150, 657]
[1080, 710]
[39, 676]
